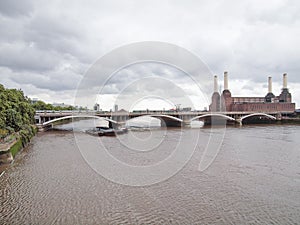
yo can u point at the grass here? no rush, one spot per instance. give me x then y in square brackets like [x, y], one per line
[16, 147]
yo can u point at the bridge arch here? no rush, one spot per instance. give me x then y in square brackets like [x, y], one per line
[166, 116]
[258, 114]
[79, 116]
[169, 121]
[213, 114]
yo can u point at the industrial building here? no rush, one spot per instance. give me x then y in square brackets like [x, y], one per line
[266, 104]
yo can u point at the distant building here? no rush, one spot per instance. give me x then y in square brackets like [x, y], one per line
[123, 111]
[269, 103]
[97, 107]
[34, 100]
[116, 108]
[186, 109]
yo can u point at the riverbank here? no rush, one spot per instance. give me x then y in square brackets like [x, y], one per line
[10, 148]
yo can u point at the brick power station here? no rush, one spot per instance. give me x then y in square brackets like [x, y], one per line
[269, 103]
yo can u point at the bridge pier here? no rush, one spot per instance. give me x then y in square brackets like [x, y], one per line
[239, 121]
[186, 120]
[186, 123]
[120, 118]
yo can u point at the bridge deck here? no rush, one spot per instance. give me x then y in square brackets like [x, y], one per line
[192, 113]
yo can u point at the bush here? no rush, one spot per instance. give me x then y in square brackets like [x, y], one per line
[10, 130]
[3, 133]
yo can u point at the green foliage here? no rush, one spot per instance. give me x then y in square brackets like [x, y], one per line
[13, 119]
[16, 118]
[25, 136]
[40, 105]
[2, 120]
[15, 110]
[27, 132]
[3, 133]
[16, 147]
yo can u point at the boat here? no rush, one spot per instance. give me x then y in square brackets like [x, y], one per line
[106, 131]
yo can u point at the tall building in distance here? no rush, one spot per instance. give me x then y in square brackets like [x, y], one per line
[97, 107]
[268, 103]
[215, 99]
[116, 108]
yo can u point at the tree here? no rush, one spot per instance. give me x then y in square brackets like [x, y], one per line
[40, 105]
[15, 109]
[13, 119]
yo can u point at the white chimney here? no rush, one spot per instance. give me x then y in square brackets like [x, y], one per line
[284, 80]
[225, 80]
[270, 85]
[215, 83]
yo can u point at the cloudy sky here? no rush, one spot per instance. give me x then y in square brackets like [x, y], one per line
[47, 47]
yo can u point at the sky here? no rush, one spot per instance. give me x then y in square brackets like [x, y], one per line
[47, 48]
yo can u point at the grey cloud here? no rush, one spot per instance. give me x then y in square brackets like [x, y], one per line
[284, 13]
[50, 32]
[248, 87]
[24, 57]
[14, 8]
[250, 39]
[54, 81]
[13, 30]
[137, 73]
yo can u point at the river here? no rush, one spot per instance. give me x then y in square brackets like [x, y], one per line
[255, 178]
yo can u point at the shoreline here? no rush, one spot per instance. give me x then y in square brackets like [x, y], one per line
[8, 151]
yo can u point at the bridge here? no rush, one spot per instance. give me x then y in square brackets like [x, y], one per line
[168, 118]
[110, 121]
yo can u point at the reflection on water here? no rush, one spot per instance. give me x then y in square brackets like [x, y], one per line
[254, 179]
[143, 121]
[82, 125]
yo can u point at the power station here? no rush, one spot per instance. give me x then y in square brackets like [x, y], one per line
[269, 103]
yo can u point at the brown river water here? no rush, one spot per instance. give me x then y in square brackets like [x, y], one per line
[255, 179]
